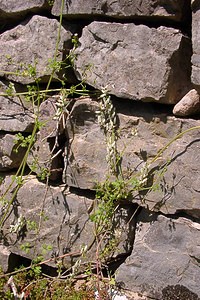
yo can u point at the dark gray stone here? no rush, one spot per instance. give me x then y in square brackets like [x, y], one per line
[14, 9]
[16, 114]
[176, 292]
[30, 45]
[135, 61]
[166, 253]
[167, 9]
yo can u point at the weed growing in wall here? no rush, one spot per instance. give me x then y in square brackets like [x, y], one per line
[108, 122]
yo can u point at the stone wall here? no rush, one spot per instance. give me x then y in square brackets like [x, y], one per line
[147, 55]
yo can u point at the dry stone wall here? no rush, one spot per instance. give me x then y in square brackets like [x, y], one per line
[147, 55]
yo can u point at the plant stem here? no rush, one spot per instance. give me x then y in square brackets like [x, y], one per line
[171, 141]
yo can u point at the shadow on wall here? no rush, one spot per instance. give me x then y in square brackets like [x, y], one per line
[178, 292]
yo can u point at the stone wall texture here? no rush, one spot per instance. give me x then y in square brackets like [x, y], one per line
[146, 54]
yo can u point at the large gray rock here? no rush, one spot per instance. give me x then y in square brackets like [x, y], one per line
[32, 45]
[167, 9]
[16, 114]
[196, 44]
[46, 217]
[135, 61]
[9, 158]
[9, 8]
[165, 256]
[175, 173]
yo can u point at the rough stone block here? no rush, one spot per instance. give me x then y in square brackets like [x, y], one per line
[167, 9]
[165, 255]
[9, 8]
[135, 61]
[15, 114]
[29, 49]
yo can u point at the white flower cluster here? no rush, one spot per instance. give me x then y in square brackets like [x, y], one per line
[21, 222]
[108, 123]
